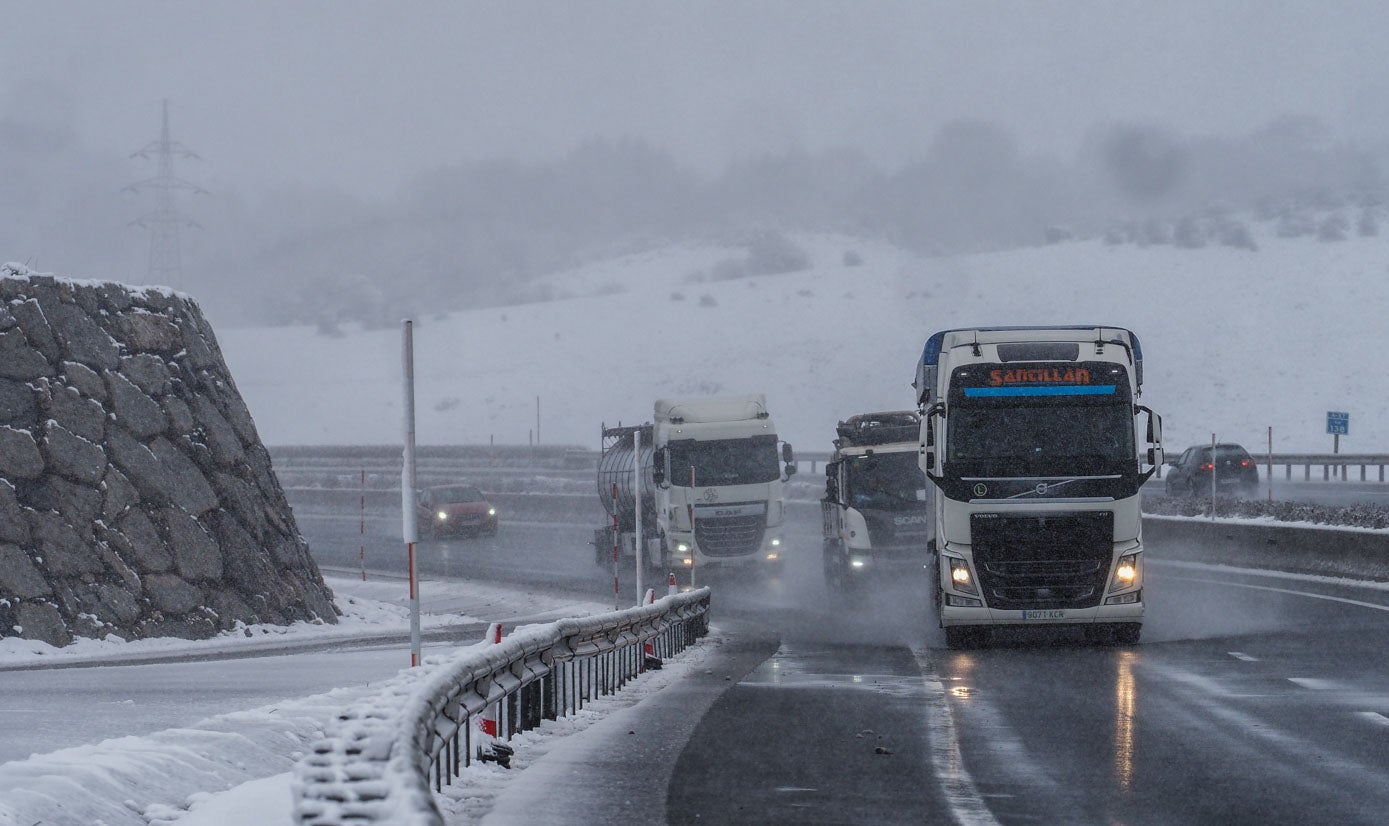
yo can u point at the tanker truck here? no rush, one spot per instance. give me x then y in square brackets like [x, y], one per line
[716, 462]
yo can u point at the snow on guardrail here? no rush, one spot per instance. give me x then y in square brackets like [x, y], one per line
[379, 759]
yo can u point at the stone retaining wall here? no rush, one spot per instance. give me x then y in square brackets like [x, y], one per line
[135, 496]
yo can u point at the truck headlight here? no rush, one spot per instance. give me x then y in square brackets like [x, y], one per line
[960, 576]
[681, 547]
[1125, 572]
[776, 542]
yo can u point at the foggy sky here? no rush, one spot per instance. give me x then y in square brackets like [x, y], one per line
[366, 96]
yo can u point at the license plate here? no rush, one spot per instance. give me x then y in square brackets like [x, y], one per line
[1043, 615]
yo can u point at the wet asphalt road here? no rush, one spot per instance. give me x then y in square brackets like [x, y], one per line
[1252, 698]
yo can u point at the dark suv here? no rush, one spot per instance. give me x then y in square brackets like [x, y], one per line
[1235, 471]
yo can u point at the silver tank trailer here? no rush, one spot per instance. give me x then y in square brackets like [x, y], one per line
[615, 467]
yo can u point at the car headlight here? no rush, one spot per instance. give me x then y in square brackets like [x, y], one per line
[491, 511]
[441, 515]
[960, 576]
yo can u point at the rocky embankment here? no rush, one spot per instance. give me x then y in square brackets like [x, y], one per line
[136, 498]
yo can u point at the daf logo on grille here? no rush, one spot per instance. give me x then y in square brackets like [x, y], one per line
[980, 489]
[1041, 488]
[710, 495]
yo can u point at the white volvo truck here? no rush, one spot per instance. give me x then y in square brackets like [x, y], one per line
[875, 509]
[1028, 436]
[715, 460]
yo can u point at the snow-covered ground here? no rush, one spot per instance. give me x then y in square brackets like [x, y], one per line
[235, 767]
[1235, 341]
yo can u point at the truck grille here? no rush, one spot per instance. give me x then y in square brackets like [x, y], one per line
[1043, 560]
[730, 535]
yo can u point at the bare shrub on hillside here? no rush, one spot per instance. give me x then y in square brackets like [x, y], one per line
[772, 253]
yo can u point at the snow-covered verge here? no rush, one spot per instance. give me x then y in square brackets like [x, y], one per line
[372, 764]
[159, 778]
[1372, 517]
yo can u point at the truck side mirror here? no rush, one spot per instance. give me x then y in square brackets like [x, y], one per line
[832, 481]
[790, 469]
[658, 466]
[786, 453]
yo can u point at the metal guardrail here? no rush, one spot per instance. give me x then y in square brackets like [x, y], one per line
[485, 459]
[1332, 464]
[382, 760]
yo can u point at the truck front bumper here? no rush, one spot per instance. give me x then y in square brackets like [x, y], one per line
[956, 615]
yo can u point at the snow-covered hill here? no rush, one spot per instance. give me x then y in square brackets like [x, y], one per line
[1234, 340]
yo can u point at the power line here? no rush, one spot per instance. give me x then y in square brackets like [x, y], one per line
[164, 221]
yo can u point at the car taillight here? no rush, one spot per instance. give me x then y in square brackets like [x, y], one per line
[1245, 463]
[1207, 466]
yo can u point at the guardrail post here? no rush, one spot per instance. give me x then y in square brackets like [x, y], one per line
[551, 711]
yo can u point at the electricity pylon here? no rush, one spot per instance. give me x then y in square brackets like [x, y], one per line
[163, 222]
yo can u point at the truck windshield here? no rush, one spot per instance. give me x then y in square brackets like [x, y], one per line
[1045, 438]
[886, 481]
[747, 461]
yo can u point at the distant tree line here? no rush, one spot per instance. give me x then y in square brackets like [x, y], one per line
[476, 234]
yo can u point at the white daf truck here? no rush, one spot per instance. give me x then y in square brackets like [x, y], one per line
[716, 461]
[875, 508]
[1028, 436]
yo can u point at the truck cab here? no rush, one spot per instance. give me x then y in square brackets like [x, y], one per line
[720, 467]
[875, 509]
[1028, 437]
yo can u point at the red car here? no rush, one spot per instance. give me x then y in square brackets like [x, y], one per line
[454, 510]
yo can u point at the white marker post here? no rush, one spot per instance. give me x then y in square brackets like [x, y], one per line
[1270, 463]
[1212, 477]
[407, 493]
[636, 490]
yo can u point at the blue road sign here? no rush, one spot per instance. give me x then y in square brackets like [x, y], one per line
[1337, 424]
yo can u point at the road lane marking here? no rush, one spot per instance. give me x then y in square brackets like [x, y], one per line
[1239, 655]
[1315, 683]
[1307, 594]
[947, 763]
